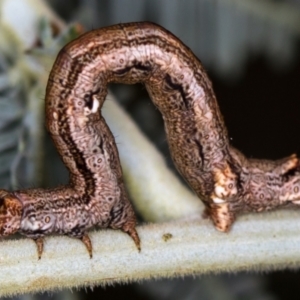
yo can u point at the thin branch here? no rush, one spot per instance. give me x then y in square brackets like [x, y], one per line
[257, 242]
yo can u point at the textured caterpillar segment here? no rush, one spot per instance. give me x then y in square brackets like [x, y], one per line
[221, 215]
[178, 85]
[39, 224]
[225, 186]
[287, 164]
[266, 185]
[123, 218]
[95, 105]
[11, 210]
[290, 170]
[39, 212]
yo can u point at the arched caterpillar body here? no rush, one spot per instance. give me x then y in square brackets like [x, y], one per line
[222, 177]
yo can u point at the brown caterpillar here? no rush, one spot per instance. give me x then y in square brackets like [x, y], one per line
[226, 181]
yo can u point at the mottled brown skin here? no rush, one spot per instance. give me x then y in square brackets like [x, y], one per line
[226, 181]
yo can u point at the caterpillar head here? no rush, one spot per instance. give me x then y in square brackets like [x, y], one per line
[10, 213]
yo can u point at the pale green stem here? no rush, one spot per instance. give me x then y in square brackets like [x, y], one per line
[257, 242]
